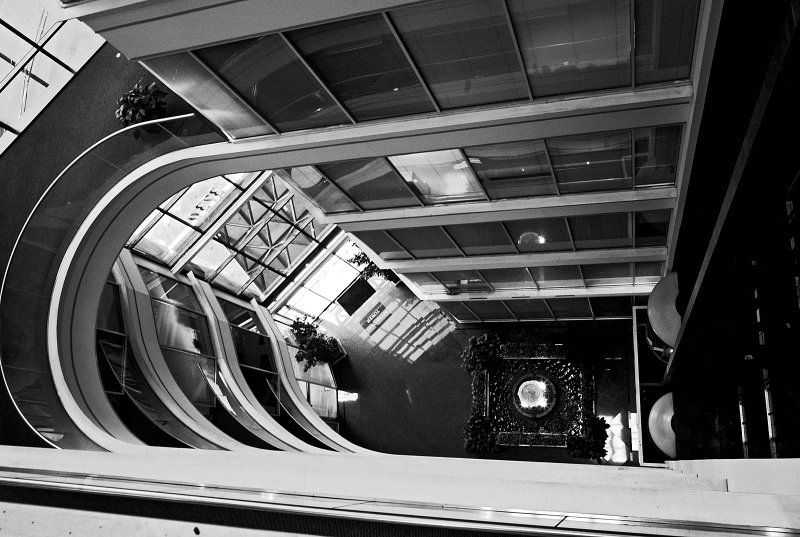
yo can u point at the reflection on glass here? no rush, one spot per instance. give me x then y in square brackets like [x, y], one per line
[491, 310]
[557, 276]
[541, 235]
[607, 274]
[169, 290]
[426, 282]
[648, 272]
[656, 155]
[203, 201]
[463, 281]
[323, 400]
[181, 329]
[665, 33]
[372, 183]
[651, 228]
[573, 45]
[570, 308]
[592, 162]
[601, 231]
[439, 176]
[482, 239]
[318, 188]
[31, 88]
[190, 372]
[362, 64]
[508, 279]
[73, 43]
[425, 242]
[529, 309]
[464, 51]
[252, 349]
[165, 239]
[512, 170]
[458, 311]
[383, 245]
[272, 79]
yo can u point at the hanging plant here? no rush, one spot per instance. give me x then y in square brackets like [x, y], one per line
[140, 103]
[314, 346]
[369, 269]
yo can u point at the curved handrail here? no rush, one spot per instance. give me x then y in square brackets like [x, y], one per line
[62, 405]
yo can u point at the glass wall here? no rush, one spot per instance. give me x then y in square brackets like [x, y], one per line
[596, 162]
[39, 54]
[535, 278]
[589, 232]
[551, 309]
[435, 56]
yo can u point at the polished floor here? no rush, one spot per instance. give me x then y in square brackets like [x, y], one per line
[413, 397]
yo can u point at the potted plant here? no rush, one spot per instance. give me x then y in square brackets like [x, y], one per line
[314, 346]
[369, 268]
[479, 436]
[483, 353]
[140, 103]
[592, 444]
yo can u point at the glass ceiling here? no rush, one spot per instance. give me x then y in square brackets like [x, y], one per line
[605, 161]
[436, 56]
[242, 232]
[38, 56]
[551, 309]
[589, 232]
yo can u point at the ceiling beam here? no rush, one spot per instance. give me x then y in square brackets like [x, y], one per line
[529, 294]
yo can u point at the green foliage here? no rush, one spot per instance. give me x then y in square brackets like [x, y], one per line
[370, 269]
[591, 444]
[483, 353]
[140, 103]
[314, 346]
[479, 436]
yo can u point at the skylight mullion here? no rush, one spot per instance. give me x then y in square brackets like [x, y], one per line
[517, 49]
[340, 189]
[451, 239]
[410, 60]
[553, 315]
[241, 100]
[405, 183]
[316, 77]
[528, 270]
[569, 231]
[475, 180]
[514, 315]
[550, 164]
[464, 303]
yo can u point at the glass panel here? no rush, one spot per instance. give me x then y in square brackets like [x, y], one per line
[462, 281]
[202, 202]
[425, 242]
[30, 18]
[169, 290]
[575, 45]
[181, 329]
[380, 243]
[331, 278]
[607, 274]
[464, 51]
[362, 64]
[252, 349]
[557, 276]
[491, 310]
[109, 312]
[208, 95]
[238, 316]
[274, 81]
[439, 176]
[189, 371]
[426, 282]
[665, 33]
[648, 272]
[529, 309]
[512, 170]
[372, 183]
[14, 49]
[611, 306]
[458, 311]
[319, 374]
[570, 308]
[592, 162]
[164, 240]
[323, 400]
[319, 189]
[601, 231]
[657, 155]
[74, 43]
[651, 228]
[541, 235]
[511, 278]
[31, 88]
[482, 239]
